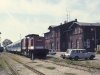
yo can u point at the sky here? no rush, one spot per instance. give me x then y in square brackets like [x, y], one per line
[21, 17]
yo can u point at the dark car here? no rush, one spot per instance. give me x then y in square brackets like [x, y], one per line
[1, 49]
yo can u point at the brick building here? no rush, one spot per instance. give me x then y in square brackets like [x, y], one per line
[55, 39]
[74, 35]
[52, 38]
[84, 35]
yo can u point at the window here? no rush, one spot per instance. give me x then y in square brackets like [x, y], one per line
[56, 34]
[84, 51]
[92, 29]
[31, 42]
[57, 44]
[77, 44]
[73, 51]
[77, 51]
[71, 44]
[88, 43]
[52, 45]
[79, 30]
[75, 31]
[52, 34]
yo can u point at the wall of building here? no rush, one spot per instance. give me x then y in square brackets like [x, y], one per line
[53, 39]
[91, 37]
[75, 38]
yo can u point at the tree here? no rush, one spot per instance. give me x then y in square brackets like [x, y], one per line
[6, 42]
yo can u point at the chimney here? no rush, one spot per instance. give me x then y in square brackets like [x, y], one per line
[65, 22]
[75, 20]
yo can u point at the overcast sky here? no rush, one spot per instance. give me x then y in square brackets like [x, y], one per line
[21, 17]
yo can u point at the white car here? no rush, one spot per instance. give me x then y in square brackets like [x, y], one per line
[78, 54]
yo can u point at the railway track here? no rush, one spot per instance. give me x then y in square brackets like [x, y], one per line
[86, 69]
[50, 61]
[8, 67]
[30, 68]
[70, 66]
[26, 62]
[81, 67]
[13, 71]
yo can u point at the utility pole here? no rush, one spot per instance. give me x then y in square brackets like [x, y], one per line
[20, 36]
[0, 39]
[95, 37]
[68, 15]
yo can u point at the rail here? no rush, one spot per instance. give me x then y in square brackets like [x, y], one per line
[27, 66]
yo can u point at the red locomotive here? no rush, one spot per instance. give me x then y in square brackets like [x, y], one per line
[32, 46]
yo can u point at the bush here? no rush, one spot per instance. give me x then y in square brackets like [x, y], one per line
[98, 51]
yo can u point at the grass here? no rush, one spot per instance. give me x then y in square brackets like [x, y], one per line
[51, 68]
[2, 64]
[69, 74]
[39, 65]
[66, 62]
[98, 51]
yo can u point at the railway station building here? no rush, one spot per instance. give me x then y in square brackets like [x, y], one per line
[73, 35]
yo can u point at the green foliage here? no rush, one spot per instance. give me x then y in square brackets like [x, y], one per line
[40, 65]
[67, 62]
[69, 74]
[6, 42]
[51, 68]
[48, 67]
[98, 52]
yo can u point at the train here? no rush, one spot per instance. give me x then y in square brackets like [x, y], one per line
[32, 46]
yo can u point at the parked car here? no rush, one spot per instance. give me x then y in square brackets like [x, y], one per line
[78, 54]
[52, 52]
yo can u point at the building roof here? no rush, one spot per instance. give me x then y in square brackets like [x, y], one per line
[47, 33]
[87, 24]
[52, 26]
[31, 35]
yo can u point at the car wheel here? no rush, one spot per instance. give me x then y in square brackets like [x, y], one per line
[91, 57]
[86, 58]
[70, 58]
[76, 58]
[63, 57]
